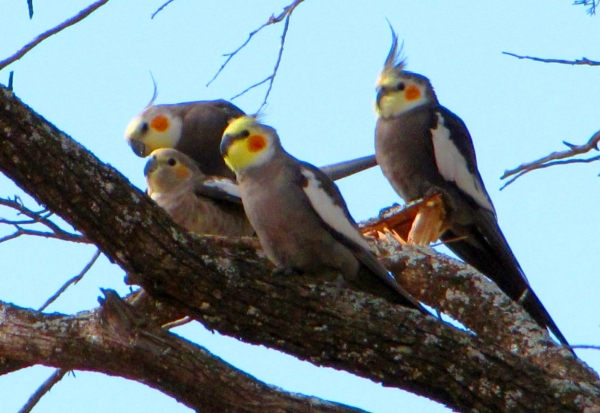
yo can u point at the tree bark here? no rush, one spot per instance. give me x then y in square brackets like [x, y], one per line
[227, 285]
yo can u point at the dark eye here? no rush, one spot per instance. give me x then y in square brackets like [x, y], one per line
[172, 162]
[400, 86]
[244, 133]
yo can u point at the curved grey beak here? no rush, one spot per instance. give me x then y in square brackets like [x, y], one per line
[151, 166]
[138, 148]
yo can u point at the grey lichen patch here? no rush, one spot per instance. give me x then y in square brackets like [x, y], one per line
[511, 397]
[36, 137]
[212, 319]
[400, 351]
[453, 295]
[108, 187]
[321, 328]
[456, 373]
[431, 340]
[253, 311]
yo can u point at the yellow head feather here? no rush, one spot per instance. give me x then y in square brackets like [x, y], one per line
[247, 143]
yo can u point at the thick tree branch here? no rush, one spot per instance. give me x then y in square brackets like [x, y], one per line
[227, 286]
[117, 340]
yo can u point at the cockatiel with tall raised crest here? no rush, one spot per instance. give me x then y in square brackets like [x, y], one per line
[196, 128]
[299, 215]
[201, 204]
[424, 148]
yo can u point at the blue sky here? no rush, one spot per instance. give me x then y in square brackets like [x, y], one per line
[92, 78]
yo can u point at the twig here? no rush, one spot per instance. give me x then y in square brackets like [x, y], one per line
[39, 217]
[43, 389]
[582, 61]
[592, 3]
[553, 159]
[160, 8]
[270, 78]
[586, 347]
[287, 11]
[40, 38]
[73, 280]
[30, 7]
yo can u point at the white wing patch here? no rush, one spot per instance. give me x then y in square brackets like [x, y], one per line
[453, 166]
[225, 185]
[332, 214]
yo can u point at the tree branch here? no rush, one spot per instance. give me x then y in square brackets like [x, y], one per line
[285, 14]
[552, 159]
[228, 286]
[582, 61]
[40, 38]
[125, 344]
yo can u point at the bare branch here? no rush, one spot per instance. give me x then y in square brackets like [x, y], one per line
[40, 217]
[582, 61]
[40, 38]
[30, 8]
[591, 3]
[160, 8]
[73, 280]
[553, 159]
[43, 389]
[270, 78]
[287, 12]
[126, 344]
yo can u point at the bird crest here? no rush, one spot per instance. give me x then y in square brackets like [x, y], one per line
[394, 62]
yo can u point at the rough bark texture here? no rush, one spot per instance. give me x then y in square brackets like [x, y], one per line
[226, 284]
[117, 340]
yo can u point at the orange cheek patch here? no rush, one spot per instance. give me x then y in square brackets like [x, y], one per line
[160, 123]
[256, 143]
[182, 172]
[412, 93]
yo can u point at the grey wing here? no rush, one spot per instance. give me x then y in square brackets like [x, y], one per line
[324, 198]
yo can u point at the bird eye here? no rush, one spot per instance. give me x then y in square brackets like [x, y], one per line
[400, 86]
[172, 162]
[144, 127]
[245, 133]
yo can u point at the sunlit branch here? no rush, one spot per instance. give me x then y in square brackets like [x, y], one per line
[554, 159]
[40, 38]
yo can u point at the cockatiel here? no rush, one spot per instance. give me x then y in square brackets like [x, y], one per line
[422, 148]
[299, 215]
[196, 128]
[201, 204]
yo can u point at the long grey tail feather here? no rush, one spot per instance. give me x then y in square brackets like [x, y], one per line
[507, 274]
[346, 168]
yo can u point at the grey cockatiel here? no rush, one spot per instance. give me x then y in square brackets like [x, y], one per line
[422, 147]
[196, 128]
[199, 203]
[299, 215]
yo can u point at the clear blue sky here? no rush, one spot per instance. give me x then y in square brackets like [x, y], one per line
[92, 78]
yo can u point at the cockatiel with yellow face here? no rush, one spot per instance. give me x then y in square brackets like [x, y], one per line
[195, 128]
[201, 204]
[423, 148]
[299, 215]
